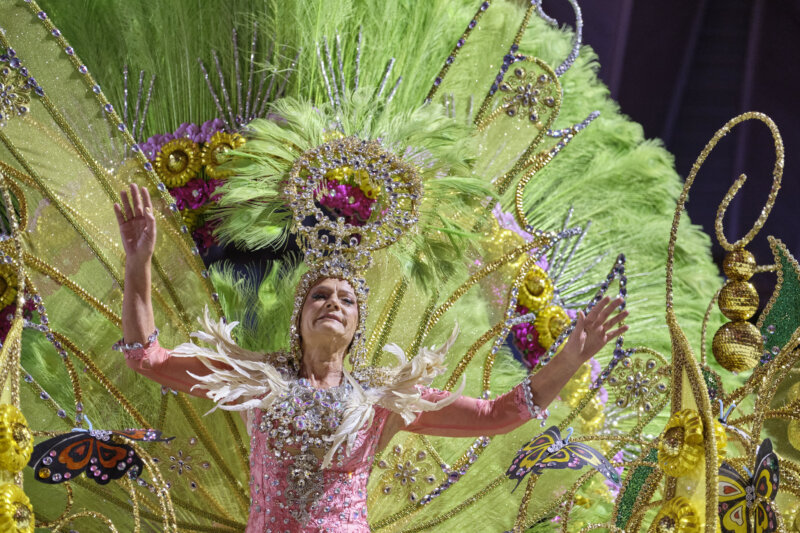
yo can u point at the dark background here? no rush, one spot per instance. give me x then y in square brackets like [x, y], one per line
[685, 67]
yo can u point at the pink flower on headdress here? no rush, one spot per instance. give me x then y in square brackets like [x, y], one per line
[526, 340]
[193, 195]
[204, 235]
[210, 187]
[346, 201]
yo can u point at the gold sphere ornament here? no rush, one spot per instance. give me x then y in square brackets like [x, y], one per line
[739, 265]
[738, 300]
[16, 511]
[215, 152]
[16, 439]
[537, 289]
[677, 516]
[549, 324]
[178, 161]
[737, 346]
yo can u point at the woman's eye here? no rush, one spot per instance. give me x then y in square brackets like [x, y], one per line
[348, 301]
[318, 296]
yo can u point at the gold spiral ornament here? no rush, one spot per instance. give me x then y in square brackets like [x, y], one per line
[178, 161]
[549, 324]
[16, 511]
[215, 152]
[737, 345]
[537, 290]
[16, 439]
[677, 516]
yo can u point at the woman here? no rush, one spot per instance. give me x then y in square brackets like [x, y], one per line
[302, 478]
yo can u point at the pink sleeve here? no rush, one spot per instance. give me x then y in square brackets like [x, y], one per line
[470, 417]
[154, 362]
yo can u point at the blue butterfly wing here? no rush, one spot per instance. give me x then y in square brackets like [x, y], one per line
[582, 454]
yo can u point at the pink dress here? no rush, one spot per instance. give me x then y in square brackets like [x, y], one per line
[339, 494]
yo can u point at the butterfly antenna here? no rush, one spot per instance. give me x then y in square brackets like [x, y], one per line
[89, 423]
[730, 410]
[569, 434]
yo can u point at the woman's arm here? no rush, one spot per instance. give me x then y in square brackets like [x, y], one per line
[137, 226]
[470, 417]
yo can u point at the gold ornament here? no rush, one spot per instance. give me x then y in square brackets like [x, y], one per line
[737, 346]
[593, 416]
[681, 446]
[794, 392]
[178, 161]
[16, 440]
[407, 473]
[16, 512]
[680, 449]
[8, 284]
[498, 243]
[578, 386]
[549, 324]
[793, 432]
[215, 150]
[791, 518]
[332, 135]
[738, 300]
[537, 290]
[793, 429]
[739, 265]
[676, 516]
[192, 217]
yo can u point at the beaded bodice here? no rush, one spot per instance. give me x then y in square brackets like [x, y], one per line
[290, 491]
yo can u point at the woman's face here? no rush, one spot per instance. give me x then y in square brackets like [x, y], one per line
[330, 313]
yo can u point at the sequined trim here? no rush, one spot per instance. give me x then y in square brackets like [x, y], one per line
[534, 410]
[135, 350]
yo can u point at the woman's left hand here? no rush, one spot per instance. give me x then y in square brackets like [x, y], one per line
[595, 330]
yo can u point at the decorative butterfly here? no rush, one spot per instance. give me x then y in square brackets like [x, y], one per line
[742, 501]
[549, 450]
[66, 456]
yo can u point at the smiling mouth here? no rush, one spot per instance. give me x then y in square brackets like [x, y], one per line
[328, 317]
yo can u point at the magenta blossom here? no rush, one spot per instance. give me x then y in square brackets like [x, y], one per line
[193, 195]
[346, 201]
[526, 340]
[204, 235]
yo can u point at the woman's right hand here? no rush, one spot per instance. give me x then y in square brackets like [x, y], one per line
[137, 224]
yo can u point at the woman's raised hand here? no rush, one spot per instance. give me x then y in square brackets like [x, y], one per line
[595, 330]
[137, 224]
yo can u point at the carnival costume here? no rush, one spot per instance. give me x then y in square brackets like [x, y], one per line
[433, 154]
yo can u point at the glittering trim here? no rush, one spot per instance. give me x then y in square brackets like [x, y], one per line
[534, 410]
[121, 346]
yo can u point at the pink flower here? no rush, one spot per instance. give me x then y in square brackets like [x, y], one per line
[346, 201]
[203, 236]
[210, 187]
[193, 195]
[526, 340]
